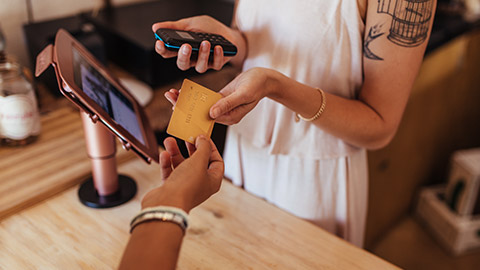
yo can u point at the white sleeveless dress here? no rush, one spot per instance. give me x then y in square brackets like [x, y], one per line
[295, 165]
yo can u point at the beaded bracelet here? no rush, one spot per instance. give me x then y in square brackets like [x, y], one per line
[319, 112]
[161, 213]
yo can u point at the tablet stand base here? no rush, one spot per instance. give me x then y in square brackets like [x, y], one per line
[105, 188]
[88, 195]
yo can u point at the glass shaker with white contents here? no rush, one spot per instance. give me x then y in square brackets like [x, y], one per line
[19, 116]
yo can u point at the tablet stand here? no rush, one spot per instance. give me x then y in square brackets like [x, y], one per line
[105, 188]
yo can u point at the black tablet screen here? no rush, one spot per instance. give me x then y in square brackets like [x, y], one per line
[100, 90]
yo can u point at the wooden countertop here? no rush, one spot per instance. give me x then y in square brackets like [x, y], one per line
[44, 226]
[231, 230]
[56, 161]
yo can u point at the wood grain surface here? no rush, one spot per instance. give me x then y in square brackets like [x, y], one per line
[231, 230]
[55, 162]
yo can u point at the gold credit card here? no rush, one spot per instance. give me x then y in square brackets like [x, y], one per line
[190, 116]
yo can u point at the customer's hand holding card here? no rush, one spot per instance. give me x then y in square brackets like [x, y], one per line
[190, 116]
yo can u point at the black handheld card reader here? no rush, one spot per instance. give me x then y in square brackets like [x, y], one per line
[174, 39]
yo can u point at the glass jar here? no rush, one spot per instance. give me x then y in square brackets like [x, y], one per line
[19, 116]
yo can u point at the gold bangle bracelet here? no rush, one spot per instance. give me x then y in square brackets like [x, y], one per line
[319, 112]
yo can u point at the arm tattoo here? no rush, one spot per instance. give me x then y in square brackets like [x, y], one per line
[410, 22]
[373, 33]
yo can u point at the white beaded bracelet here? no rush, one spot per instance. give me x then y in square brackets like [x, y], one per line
[319, 112]
[161, 213]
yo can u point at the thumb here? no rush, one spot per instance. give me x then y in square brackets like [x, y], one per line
[180, 25]
[225, 105]
[201, 156]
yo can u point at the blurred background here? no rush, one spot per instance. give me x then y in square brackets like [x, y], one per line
[415, 182]
[15, 13]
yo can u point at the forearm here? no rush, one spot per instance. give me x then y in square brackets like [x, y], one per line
[143, 253]
[353, 121]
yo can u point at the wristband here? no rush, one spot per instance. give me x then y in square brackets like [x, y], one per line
[161, 213]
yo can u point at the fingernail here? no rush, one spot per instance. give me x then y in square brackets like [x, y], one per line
[159, 46]
[199, 137]
[215, 113]
[168, 98]
[185, 50]
[204, 46]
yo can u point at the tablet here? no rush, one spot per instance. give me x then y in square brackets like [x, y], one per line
[89, 85]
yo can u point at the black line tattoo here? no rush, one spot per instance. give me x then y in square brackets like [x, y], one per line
[410, 22]
[414, 11]
[373, 33]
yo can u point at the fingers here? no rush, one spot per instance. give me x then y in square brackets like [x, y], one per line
[203, 55]
[235, 115]
[159, 45]
[183, 59]
[214, 155]
[165, 164]
[175, 154]
[179, 25]
[225, 105]
[191, 148]
[167, 24]
[231, 109]
[163, 51]
[202, 153]
[172, 96]
[218, 58]
[216, 167]
[209, 157]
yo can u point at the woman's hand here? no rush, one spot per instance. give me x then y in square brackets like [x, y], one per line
[188, 182]
[242, 95]
[202, 63]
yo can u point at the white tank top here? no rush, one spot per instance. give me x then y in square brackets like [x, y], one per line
[315, 42]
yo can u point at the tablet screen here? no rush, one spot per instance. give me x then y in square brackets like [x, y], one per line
[102, 92]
